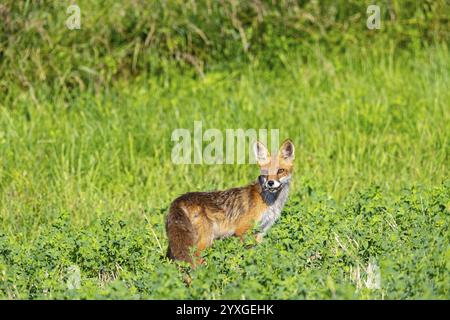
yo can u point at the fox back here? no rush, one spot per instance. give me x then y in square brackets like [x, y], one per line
[196, 219]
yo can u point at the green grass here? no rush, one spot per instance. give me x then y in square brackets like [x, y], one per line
[130, 38]
[372, 136]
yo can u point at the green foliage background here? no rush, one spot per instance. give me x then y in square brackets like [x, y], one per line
[126, 38]
[86, 118]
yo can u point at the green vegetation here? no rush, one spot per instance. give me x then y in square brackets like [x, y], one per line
[366, 247]
[85, 147]
[125, 38]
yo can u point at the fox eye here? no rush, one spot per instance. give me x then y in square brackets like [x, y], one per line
[280, 171]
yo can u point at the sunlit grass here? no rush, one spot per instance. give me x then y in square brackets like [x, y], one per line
[356, 121]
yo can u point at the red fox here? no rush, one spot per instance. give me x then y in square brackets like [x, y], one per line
[195, 219]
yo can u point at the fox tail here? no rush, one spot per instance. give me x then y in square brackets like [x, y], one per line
[181, 234]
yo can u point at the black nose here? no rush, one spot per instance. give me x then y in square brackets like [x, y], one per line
[270, 183]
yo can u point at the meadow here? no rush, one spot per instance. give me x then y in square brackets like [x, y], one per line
[86, 175]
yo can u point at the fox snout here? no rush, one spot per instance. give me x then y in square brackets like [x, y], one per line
[270, 184]
[273, 183]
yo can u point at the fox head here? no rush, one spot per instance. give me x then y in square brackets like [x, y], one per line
[276, 170]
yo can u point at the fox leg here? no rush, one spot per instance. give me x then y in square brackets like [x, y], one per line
[199, 260]
[204, 240]
[259, 237]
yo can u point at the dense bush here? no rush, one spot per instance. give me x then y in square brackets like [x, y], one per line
[370, 246]
[128, 37]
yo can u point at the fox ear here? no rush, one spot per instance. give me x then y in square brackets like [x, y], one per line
[287, 150]
[261, 153]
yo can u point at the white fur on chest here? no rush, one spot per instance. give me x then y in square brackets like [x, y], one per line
[273, 212]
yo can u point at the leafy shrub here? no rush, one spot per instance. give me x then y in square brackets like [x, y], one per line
[370, 246]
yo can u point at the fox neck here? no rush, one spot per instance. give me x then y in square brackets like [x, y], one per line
[275, 203]
[275, 198]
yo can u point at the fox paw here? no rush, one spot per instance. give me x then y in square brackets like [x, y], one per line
[259, 237]
[198, 262]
